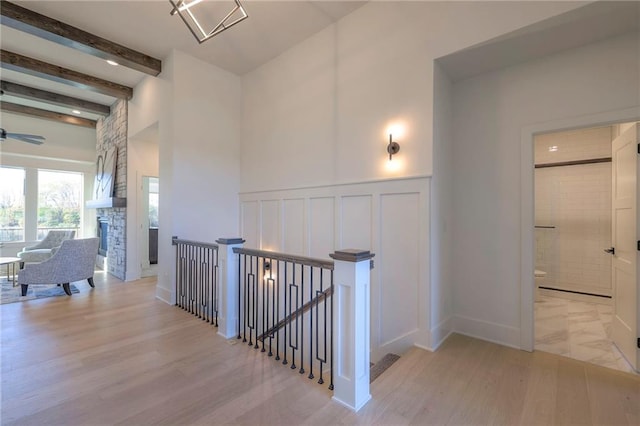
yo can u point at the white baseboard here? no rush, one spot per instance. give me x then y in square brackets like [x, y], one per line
[397, 346]
[486, 330]
[165, 295]
[439, 334]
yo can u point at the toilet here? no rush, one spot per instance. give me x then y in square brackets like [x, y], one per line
[539, 276]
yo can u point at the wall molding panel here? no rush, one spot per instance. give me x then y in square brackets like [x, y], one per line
[390, 218]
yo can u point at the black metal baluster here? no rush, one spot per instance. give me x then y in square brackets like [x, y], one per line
[272, 323]
[183, 276]
[285, 290]
[246, 300]
[252, 301]
[256, 305]
[265, 306]
[300, 318]
[206, 297]
[240, 257]
[276, 320]
[330, 354]
[321, 360]
[216, 302]
[291, 287]
[311, 322]
[198, 281]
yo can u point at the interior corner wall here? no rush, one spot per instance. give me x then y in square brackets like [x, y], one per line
[441, 210]
[489, 113]
[197, 110]
[149, 117]
[206, 150]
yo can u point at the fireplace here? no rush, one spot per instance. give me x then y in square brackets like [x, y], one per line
[103, 235]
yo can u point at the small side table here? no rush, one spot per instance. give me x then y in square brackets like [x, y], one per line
[11, 263]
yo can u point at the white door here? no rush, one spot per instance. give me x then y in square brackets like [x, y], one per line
[625, 236]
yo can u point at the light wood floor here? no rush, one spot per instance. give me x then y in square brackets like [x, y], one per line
[116, 355]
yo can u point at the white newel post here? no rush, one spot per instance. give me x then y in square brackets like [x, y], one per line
[228, 264]
[352, 293]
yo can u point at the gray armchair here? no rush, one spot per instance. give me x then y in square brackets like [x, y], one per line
[45, 248]
[75, 260]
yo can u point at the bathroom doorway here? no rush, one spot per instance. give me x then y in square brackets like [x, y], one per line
[574, 307]
[149, 225]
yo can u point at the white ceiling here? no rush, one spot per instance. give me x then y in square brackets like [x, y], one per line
[147, 26]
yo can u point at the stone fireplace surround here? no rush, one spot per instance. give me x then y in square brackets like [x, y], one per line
[112, 131]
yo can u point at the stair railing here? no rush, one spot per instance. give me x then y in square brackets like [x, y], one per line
[312, 315]
[286, 309]
[197, 279]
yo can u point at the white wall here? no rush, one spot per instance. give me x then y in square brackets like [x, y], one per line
[318, 116]
[388, 218]
[441, 289]
[67, 148]
[197, 110]
[490, 111]
[319, 113]
[143, 159]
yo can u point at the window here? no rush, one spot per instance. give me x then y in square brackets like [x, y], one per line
[33, 201]
[12, 204]
[59, 201]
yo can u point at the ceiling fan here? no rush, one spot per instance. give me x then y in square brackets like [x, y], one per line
[34, 139]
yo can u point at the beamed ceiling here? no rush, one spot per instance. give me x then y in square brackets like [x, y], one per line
[54, 52]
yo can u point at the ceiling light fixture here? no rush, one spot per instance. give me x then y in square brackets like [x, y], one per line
[112, 62]
[75, 111]
[185, 10]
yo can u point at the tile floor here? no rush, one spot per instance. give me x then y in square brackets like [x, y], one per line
[577, 330]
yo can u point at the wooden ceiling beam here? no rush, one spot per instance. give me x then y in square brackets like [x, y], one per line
[31, 93]
[48, 115]
[24, 64]
[28, 21]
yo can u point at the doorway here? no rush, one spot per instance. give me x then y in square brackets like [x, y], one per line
[149, 225]
[574, 294]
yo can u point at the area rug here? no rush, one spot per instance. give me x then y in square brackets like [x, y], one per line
[11, 294]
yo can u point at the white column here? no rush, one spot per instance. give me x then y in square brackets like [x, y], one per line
[228, 303]
[352, 295]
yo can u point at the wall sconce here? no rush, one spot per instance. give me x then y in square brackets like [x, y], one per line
[185, 10]
[393, 147]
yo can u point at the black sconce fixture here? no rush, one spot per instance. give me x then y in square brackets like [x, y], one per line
[393, 147]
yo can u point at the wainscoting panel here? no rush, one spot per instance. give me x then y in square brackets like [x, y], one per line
[390, 218]
[399, 220]
[250, 228]
[321, 226]
[356, 222]
[293, 226]
[270, 225]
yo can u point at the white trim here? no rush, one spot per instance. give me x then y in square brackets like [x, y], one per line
[331, 185]
[527, 202]
[440, 333]
[165, 295]
[487, 330]
[41, 157]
